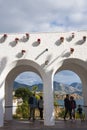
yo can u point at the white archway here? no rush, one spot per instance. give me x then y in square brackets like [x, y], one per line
[79, 67]
[19, 68]
[15, 69]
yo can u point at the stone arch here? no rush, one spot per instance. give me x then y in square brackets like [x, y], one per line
[15, 69]
[7, 77]
[79, 67]
[24, 62]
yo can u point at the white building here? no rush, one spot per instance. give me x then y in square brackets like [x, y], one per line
[45, 54]
[16, 103]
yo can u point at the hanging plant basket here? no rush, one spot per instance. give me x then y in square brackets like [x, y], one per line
[84, 38]
[16, 40]
[23, 51]
[73, 35]
[5, 35]
[39, 40]
[71, 50]
[62, 39]
[27, 35]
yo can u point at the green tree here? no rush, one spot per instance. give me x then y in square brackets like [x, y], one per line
[34, 88]
[23, 92]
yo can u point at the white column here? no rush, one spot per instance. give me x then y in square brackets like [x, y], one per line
[85, 99]
[1, 104]
[8, 101]
[48, 101]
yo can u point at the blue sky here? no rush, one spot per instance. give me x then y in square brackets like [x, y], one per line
[66, 77]
[20, 16]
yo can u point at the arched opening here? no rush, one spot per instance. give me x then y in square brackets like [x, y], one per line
[9, 82]
[67, 82]
[79, 67]
[32, 83]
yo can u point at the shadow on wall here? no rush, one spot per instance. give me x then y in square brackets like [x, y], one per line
[48, 58]
[16, 40]
[13, 44]
[67, 54]
[19, 55]
[23, 39]
[2, 64]
[69, 39]
[35, 44]
[3, 38]
[64, 54]
[1, 105]
[58, 42]
[80, 42]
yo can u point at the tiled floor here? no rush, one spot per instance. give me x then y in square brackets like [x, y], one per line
[39, 125]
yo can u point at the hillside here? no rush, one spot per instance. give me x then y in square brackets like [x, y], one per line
[59, 88]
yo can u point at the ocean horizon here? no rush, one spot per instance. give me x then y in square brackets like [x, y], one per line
[78, 102]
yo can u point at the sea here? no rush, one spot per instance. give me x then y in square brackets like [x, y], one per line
[78, 102]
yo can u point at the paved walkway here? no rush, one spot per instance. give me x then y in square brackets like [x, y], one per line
[39, 125]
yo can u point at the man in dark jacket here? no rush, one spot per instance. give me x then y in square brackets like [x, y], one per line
[32, 105]
[67, 107]
[40, 106]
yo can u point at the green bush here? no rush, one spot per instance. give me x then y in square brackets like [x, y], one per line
[78, 116]
[61, 114]
[22, 111]
[16, 116]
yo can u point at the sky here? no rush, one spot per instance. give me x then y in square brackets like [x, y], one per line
[20, 16]
[42, 16]
[65, 76]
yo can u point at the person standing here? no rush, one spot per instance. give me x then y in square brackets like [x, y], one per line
[72, 106]
[80, 111]
[40, 107]
[67, 106]
[32, 105]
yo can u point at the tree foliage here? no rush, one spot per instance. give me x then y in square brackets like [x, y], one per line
[23, 93]
[34, 88]
[23, 110]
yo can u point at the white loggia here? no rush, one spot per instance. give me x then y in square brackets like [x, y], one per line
[45, 54]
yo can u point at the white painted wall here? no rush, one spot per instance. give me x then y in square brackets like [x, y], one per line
[58, 57]
[16, 103]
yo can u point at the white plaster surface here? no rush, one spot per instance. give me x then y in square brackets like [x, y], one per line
[45, 58]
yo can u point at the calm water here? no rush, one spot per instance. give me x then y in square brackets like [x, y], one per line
[78, 101]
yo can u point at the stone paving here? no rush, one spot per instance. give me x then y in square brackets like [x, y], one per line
[39, 125]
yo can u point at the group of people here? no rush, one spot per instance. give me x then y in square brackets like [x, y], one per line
[33, 104]
[70, 106]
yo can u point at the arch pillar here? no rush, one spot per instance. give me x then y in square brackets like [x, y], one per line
[8, 101]
[2, 104]
[48, 101]
[85, 97]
